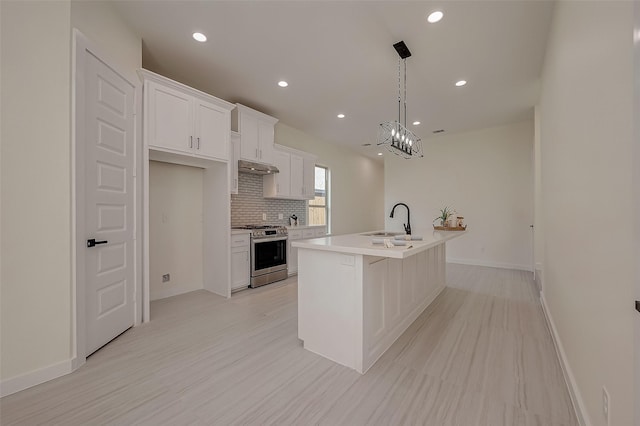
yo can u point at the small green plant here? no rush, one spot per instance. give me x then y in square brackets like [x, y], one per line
[444, 215]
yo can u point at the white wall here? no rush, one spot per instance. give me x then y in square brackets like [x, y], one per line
[486, 175]
[538, 235]
[36, 286]
[587, 163]
[357, 182]
[175, 229]
[36, 243]
[99, 22]
[636, 186]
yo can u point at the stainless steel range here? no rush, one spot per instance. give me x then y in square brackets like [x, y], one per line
[268, 254]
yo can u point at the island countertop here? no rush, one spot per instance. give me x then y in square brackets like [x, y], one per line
[363, 244]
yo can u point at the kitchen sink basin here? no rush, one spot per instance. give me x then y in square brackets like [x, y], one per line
[383, 234]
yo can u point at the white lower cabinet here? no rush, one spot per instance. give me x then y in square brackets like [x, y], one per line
[301, 234]
[240, 261]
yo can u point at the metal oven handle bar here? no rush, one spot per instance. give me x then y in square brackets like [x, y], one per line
[267, 240]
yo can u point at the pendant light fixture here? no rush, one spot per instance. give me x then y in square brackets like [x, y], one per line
[394, 134]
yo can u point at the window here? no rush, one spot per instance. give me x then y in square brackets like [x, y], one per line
[319, 206]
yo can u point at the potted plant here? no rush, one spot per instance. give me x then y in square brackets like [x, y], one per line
[444, 215]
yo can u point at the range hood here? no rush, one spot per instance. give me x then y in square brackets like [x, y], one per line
[256, 168]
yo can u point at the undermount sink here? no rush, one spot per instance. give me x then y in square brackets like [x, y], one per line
[382, 234]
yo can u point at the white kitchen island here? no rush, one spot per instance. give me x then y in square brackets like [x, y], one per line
[356, 298]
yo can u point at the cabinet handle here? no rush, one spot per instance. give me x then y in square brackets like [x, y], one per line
[278, 188]
[236, 183]
[261, 154]
[257, 153]
[190, 141]
[198, 143]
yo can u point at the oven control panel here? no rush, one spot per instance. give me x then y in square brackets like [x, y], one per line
[265, 233]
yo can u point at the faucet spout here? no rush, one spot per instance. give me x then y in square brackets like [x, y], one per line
[407, 226]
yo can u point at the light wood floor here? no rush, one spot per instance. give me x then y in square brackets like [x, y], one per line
[479, 355]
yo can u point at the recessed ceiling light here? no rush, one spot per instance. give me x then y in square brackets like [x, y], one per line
[340, 115]
[379, 153]
[435, 16]
[461, 83]
[200, 37]
[416, 123]
[283, 83]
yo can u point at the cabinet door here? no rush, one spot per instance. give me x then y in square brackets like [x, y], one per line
[170, 118]
[234, 155]
[309, 177]
[283, 178]
[375, 326]
[239, 268]
[296, 178]
[248, 137]
[212, 126]
[265, 142]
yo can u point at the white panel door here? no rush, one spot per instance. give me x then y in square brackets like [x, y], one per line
[170, 118]
[212, 135]
[109, 210]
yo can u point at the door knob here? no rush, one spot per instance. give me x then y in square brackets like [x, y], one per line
[92, 242]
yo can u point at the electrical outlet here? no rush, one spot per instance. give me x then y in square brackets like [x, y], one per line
[166, 278]
[605, 405]
[264, 216]
[280, 216]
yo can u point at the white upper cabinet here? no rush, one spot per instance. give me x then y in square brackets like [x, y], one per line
[309, 178]
[297, 183]
[181, 120]
[234, 155]
[296, 168]
[210, 122]
[256, 134]
[171, 118]
[281, 185]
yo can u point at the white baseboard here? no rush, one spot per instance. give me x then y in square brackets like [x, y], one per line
[170, 292]
[33, 378]
[501, 265]
[574, 392]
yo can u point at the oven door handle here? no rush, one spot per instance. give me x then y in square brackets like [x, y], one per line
[268, 240]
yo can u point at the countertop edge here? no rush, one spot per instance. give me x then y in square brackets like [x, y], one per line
[328, 244]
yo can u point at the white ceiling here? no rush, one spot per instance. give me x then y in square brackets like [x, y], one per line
[338, 56]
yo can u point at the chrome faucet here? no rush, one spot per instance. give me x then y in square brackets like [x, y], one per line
[407, 227]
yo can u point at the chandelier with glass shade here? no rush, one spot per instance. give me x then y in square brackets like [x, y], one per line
[394, 135]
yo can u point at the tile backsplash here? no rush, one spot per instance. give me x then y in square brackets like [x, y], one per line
[248, 205]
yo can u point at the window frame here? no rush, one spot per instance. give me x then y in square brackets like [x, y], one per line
[327, 189]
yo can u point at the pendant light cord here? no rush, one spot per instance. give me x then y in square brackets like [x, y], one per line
[399, 94]
[405, 92]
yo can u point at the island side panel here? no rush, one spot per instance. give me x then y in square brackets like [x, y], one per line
[396, 292]
[330, 305]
